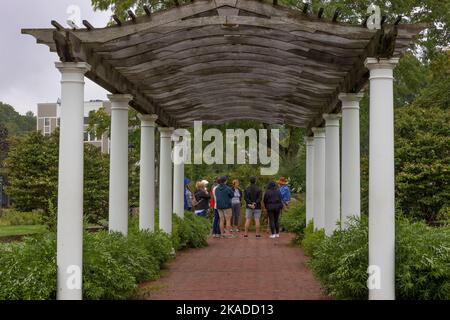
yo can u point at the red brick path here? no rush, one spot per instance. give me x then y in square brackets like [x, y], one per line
[238, 269]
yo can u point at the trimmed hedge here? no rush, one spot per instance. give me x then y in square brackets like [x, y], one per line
[422, 260]
[113, 265]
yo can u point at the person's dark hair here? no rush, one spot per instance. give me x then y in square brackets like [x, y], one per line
[223, 179]
[217, 179]
[271, 185]
[252, 180]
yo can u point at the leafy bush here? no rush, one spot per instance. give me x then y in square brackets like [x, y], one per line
[192, 231]
[312, 239]
[32, 172]
[12, 217]
[28, 269]
[422, 260]
[113, 265]
[293, 219]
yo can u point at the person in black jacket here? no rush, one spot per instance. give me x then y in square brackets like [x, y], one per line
[253, 197]
[201, 200]
[273, 204]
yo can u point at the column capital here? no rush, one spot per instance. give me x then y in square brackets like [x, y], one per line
[350, 100]
[166, 132]
[120, 101]
[148, 120]
[309, 141]
[331, 119]
[318, 132]
[76, 67]
[375, 63]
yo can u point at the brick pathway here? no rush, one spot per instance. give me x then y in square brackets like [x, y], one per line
[237, 269]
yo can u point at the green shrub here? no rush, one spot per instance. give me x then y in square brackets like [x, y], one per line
[340, 261]
[12, 217]
[312, 239]
[113, 265]
[293, 219]
[422, 260]
[192, 231]
[28, 269]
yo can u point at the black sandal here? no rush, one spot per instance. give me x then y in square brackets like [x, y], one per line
[245, 235]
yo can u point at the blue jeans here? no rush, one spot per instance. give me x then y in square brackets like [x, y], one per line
[216, 222]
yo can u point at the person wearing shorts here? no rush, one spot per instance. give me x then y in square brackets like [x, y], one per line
[253, 197]
[224, 194]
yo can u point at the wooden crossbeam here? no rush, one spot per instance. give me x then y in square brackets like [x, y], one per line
[88, 25]
[320, 14]
[131, 15]
[305, 8]
[57, 25]
[336, 14]
[117, 20]
[147, 10]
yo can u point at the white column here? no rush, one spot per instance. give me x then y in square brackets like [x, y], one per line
[165, 180]
[332, 173]
[178, 179]
[351, 176]
[319, 178]
[147, 173]
[70, 181]
[309, 179]
[381, 179]
[118, 176]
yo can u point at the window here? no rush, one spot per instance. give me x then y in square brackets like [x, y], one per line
[47, 127]
[86, 136]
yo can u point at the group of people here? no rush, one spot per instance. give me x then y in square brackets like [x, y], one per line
[226, 202]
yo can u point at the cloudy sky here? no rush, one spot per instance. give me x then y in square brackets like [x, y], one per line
[27, 72]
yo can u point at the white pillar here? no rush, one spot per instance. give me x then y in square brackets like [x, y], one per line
[147, 173]
[309, 179]
[351, 176]
[381, 179]
[178, 179]
[332, 173]
[70, 181]
[319, 178]
[118, 176]
[165, 180]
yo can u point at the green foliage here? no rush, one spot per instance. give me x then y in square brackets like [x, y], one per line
[14, 122]
[113, 265]
[28, 269]
[192, 231]
[422, 161]
[12, 217]
[32, 171]
[312, 239]
[293, 219]
[422, 260]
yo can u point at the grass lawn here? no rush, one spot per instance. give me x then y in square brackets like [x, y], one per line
[21, 230]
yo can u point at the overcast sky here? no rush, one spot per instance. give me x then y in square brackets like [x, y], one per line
[27, 72]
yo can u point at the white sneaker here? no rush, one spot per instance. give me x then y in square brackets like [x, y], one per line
[277, 235]
[273, 236]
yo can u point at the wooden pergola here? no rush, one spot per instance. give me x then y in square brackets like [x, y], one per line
[222, 60]
[225, 60]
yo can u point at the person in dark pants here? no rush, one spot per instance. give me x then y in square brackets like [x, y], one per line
[273, 203]
[216, 220]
